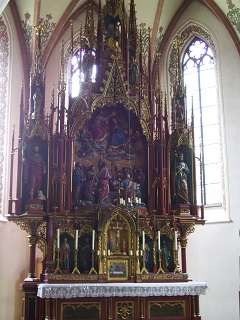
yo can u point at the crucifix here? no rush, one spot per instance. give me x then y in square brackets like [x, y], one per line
[118, 229]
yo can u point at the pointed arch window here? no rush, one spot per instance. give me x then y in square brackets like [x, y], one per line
[199, 74]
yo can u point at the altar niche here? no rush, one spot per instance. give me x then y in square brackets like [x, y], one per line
[64, 252]
[118, 246]
[34, 182]
[110, 158]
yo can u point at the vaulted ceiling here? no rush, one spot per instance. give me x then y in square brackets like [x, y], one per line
[159, 15]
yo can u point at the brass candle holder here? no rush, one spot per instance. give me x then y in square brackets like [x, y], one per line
[160, 269]
[138, 262]
[176, 262]
[58, 270]
[93, 269]
[144, 270]
[75, 270]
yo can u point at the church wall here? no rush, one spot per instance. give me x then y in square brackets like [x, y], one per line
[14, 248]
[215, 246]
[13, 269]
[16, 80]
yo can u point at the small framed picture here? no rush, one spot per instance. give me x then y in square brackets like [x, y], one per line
[117, 269]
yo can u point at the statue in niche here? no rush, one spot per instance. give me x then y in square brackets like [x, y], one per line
[179, 112]
[37, 103]
[179, 176]
[65, 254]
[165, 256]
[85, 254]
[133, 72]
[166, 253]
[37, 98]
[36, 169]
[88, 63]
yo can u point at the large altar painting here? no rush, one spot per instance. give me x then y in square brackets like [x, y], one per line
[110, 145]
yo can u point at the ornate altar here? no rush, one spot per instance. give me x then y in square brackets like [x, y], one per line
[107, 182]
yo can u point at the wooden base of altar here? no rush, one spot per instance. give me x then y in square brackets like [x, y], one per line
[149, 301]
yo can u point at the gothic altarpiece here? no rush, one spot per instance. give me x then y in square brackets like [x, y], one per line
[106, 184]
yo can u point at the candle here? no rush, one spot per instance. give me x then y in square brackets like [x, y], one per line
[139, 200]
[76, 240]
[159, 243]
[136, 199]
[129, 200]
[109, 253]
[124, 202]
[93, 239]
[104, 253]
[121, 200]
[58, 238]
[175, 237]
[143, 240]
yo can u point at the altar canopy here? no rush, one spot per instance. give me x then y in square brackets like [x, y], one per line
[106, 179]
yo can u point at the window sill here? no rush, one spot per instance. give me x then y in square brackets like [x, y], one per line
[216, 215]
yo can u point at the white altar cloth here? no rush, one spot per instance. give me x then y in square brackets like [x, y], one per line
[80, 290]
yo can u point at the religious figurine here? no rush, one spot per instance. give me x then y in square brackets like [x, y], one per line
[65, 254]
[36, 170]
[37, 103]
[103, 185]
[127, 184]
[133, 72]
[86, 256]
[165, 256]
[179, 181]
[41, 196]
[88, 63]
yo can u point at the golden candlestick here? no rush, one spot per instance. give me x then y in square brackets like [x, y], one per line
[176, 263]
[138, 263]
[75, 270]
[92, 269]
[58, 270]
[144, 270]
[160, 269]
